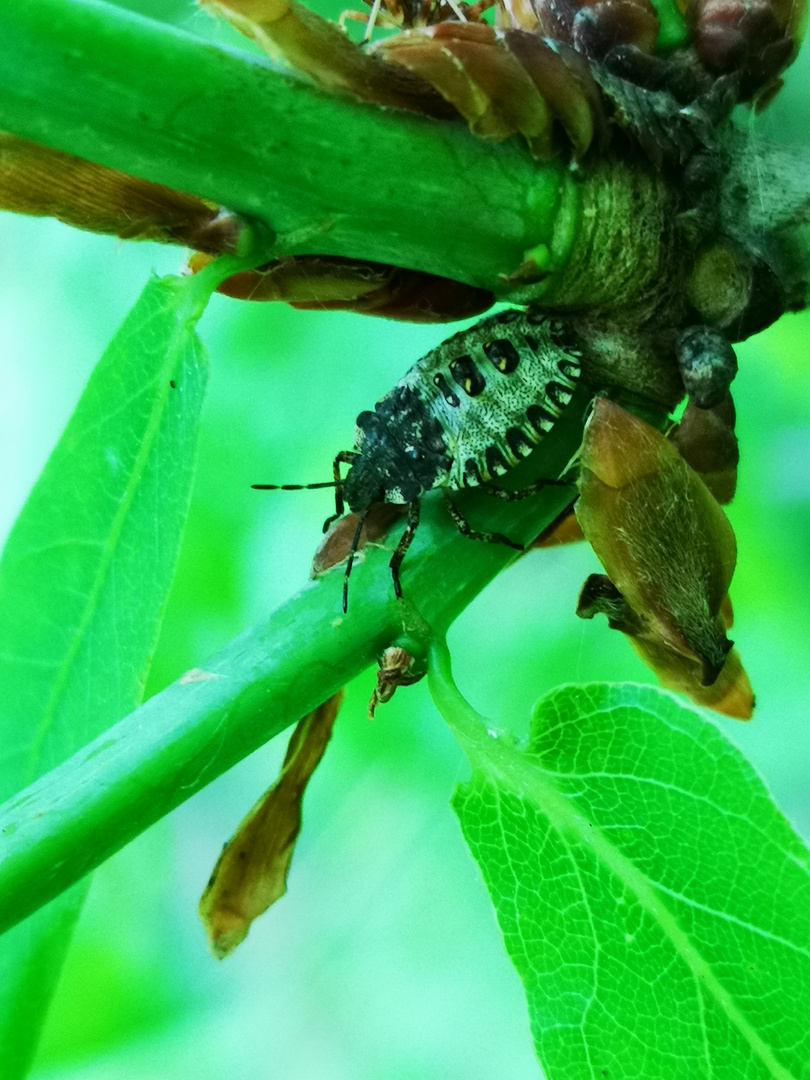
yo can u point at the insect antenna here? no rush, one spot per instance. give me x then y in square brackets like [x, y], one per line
[295, 487]
[352, 552]
[336, 484]
[345, 457]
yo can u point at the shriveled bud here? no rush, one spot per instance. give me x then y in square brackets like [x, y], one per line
[708, 364]
[754, 39]
[333, 283]
[730, 693]
[37, 180]
[661, 536]
[397, 668]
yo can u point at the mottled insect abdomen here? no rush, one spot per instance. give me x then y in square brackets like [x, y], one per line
[496, 389]
[468, 411]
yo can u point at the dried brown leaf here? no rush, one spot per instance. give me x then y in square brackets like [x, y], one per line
[251, 872]
[335, 546]
[37, 180]
[333, 283]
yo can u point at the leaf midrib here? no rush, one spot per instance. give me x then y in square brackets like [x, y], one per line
[178, 340]
[509, 768]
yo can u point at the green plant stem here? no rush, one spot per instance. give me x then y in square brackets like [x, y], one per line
[66, 823]
[326, 173]
[329, 175]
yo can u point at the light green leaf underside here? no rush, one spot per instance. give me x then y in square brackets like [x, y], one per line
[84, 579]
[654, 901]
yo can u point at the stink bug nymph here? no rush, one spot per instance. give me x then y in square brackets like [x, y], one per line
[463, 415]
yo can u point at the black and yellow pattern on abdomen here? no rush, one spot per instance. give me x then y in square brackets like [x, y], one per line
[496, 389]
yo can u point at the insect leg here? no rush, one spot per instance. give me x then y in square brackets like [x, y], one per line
[522, 493]
[352, 552]
[344, 457]
[375, 11]
[404, 543]
[466, 529]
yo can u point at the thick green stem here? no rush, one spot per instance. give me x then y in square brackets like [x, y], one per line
[328, 174]
[70, 820]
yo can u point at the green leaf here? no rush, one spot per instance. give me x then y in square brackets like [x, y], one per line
[83, 582]
[66, 823]
[653, 900]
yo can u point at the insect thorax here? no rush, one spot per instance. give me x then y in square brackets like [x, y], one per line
[469, 410]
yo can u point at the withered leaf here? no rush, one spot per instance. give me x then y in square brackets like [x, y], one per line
[37, 180]
[335, 283]
[251, 872]
[336, 544]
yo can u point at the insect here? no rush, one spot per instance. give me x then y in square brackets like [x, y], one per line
[467, 412]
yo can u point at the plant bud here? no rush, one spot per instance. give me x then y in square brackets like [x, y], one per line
[397, 667]
[708, 364]
[661, 536]
[730, 693]
[754, 39]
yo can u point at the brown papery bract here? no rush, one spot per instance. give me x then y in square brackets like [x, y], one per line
[37, 180]
[661, 536]
[334, 283]
[289, 31]
[335, 547]
[506, 82]
[251, 872]
[730, 693]
[705, 438]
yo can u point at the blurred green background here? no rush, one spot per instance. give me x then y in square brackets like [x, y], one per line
[383, 962]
